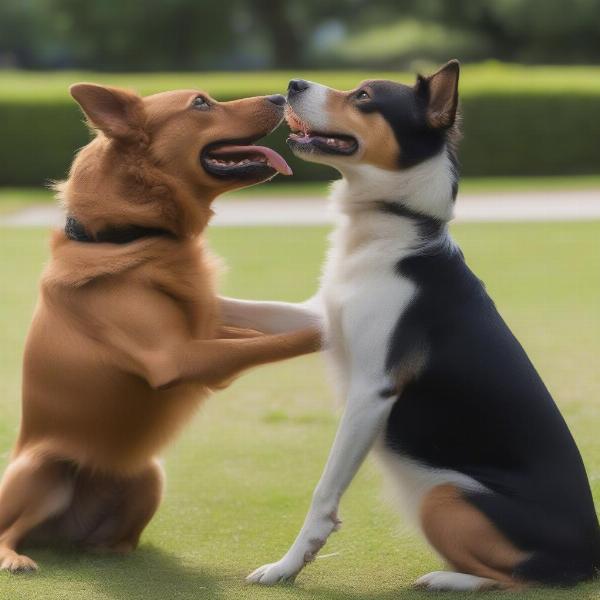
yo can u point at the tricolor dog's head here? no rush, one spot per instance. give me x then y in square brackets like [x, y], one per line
[380, 127]
[383, 123]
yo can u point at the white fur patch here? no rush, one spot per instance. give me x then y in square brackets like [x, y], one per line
[363, 295]
[449, 581]
[410, 481]
[311, 106]
[425, 188]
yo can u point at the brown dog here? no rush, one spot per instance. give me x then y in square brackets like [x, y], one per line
[126, 338]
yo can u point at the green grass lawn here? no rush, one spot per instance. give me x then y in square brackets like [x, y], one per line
[14, 199]
[241, 476]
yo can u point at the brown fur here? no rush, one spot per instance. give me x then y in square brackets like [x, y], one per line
[468, 540]
[126, 339]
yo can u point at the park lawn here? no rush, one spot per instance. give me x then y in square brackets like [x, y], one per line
[14, 199]
[241, 475]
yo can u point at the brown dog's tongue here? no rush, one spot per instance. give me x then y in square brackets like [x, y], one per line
[273, 159]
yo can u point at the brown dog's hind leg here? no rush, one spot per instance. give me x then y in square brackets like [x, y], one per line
[480, 555]
[33, 490]
[132, 504]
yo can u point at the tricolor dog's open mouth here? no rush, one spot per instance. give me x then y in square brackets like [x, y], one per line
[303, 139]
[242, 160]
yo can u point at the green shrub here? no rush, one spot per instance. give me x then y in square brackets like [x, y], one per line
[517, 120]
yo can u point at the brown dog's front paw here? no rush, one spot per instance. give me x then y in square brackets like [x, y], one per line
[18, 563]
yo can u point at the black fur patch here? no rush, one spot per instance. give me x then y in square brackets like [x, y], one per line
[405, 111]
[428, 227]
[388, 392]
[480, 408]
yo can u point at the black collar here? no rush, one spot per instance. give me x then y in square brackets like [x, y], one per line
[75, 231]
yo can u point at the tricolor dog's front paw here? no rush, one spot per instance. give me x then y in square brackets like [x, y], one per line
[283, 571]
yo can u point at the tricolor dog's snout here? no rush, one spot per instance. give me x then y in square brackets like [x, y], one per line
[296, 86]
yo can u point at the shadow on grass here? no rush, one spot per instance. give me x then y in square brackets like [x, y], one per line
[587, 591]
[153, 574]
[149, 574]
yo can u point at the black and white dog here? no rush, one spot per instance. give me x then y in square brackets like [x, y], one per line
[432, 377]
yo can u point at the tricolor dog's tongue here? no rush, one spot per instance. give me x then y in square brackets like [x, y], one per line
[273, 159]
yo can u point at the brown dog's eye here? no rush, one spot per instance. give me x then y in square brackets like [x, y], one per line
[363, 95]
[200, 103]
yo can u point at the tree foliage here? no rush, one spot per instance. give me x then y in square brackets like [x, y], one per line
[210, 34]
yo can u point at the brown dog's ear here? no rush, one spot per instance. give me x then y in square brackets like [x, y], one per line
[440, 91]
[116, 112]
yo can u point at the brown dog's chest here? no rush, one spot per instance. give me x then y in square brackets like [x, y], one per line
[80, 397]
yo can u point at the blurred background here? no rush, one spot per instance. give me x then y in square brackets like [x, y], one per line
[528, 221]
[180, 35]
[530, 89]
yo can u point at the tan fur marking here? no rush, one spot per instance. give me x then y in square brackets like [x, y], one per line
[466, 538]
[411, 367]
[379, 145]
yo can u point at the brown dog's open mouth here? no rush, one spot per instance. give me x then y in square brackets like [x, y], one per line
[243, 161]
[303, 139]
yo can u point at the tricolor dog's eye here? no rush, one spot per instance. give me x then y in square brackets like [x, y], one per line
[362, 95]
[200, 103]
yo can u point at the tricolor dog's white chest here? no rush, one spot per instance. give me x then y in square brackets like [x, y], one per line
[364, 296]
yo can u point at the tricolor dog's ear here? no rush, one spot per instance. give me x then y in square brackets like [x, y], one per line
[116, 112]
[440, 92]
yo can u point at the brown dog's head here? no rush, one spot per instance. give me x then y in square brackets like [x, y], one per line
[160, 160]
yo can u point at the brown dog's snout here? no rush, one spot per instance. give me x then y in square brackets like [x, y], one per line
[277, 99]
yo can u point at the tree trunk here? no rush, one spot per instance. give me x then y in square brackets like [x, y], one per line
[285, 43]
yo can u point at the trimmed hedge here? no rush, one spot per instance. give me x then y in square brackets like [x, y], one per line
[517, 120]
